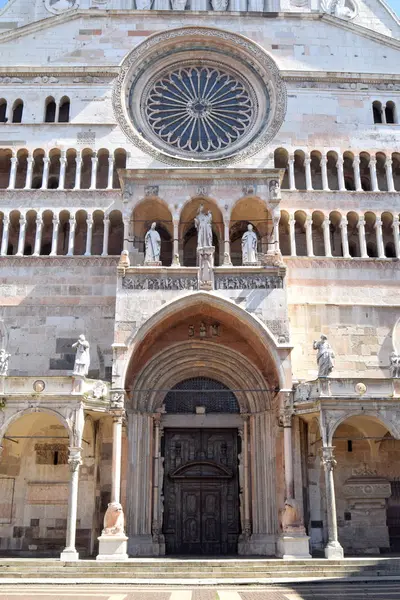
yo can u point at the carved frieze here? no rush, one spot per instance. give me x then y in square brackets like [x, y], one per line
[161, 282]
[248, 282]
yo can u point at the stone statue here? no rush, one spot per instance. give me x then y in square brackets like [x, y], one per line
[152, 242]
[82, 358]
[325, 356]
[394, 365]
[290, 515]
[4, 357]
[206, 268]
[274, 190]
[203, 224]
[249, 246]
[114, 520]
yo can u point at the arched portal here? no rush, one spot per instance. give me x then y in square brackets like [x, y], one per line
[207, 375]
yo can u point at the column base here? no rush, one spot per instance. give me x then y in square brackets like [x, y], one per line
[293, 546]
[334, 551]
[112, 548]
[257, 544]
[140, 545]
[69, 555]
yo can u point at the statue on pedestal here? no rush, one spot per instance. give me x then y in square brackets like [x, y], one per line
[82, 358]
[114, 522]
[325, 356]
[203, 224]
[394, 365]
[249, 246]
[4, 357]
[152, 242]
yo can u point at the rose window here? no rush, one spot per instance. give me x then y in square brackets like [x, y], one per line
[199, 109]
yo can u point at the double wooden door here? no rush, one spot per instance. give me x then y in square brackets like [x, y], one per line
[201, 497]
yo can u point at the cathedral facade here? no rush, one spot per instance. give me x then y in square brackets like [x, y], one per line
[199, 250]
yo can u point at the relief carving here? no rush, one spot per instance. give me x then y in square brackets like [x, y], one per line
[147, 282]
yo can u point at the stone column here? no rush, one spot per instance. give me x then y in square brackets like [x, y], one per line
[340, 173]
[383, 114]
[395, 227]
[333, 549]
[276, 217]
[4, 238]
[110, 172]
[379, 237]
[63, 166]
[175, 253]
[324, 173]
[345, 238]
[156, 526]
[286, 420]
[38, 235]
[54, 237]
[78, 172]
[227, 244]
[93, 177]
[13, 173]
[372, 171]
[29, 173]
[106, 231]
[292, 233]
[309, 240]
[357, 176]
[126, 220]
[361, 234]
[69, 553]
[389, 175]
[89, 231]
[307, 166]
[292, 181]
[244, 486]
[327, 236]
[71, 237]
[45, 176]
[21, 238]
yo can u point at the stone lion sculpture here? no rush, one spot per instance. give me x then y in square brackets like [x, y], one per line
[114, 519]
[290, 515]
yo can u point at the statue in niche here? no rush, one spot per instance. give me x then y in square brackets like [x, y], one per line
[394, 365]
[249, 246]
[203, 224]
[152, 242]
[82, 358]
[274, 190]
[4, 358]
[325, 356]
[203, 330]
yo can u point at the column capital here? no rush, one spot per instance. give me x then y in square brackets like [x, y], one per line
[291, 157]
[308, 219]
[72, 220]
[395, 222]
[372, 161]
[324, 160]
[328, 460]
[339, 161]
[326, 221]
[6, 218]
[29, 159]
[46, 160]
[94, 156]
[361, 221]
[78, 159]
[89, 219]
[388, 162]
[39, 219]
[378, 221]
[307, 161]
[356, 160]
[55, 220]
[343, 222]
[286, 409]
[292, 218]
[22, 220]
[63, 155]
[14, 160]
[110, 159]
[74, 458]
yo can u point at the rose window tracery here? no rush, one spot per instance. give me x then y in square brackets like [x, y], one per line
[199, 109]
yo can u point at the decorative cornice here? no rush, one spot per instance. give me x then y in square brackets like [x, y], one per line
[59, 261]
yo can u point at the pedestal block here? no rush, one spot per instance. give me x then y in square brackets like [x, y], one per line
[69, 555]
[112, 548]
[334, 551]
[293, 544]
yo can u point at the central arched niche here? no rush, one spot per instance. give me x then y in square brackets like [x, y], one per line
[202, 340]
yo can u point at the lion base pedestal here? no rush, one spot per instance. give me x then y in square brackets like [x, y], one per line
[293, 545]
[112, 547]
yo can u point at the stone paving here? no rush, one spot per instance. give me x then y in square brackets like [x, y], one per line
[318, 591]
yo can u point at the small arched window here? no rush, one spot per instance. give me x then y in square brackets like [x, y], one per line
[3, 110]
[17, 111]
[390, 112]
[63, 113]
[50, 110]
[377, 111]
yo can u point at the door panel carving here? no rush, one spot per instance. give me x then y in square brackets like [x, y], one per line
[201, 514]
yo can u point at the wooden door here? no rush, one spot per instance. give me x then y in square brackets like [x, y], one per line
[201, 498]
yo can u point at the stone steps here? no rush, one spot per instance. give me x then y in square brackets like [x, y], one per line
[175, 569]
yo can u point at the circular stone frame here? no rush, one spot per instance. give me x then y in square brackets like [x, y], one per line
[162, 50]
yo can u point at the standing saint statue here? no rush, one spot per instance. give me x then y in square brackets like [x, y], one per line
[325, 356]
[249, 246]
[203, 224]
[4, 357]
[82, 358]
[152, 242]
